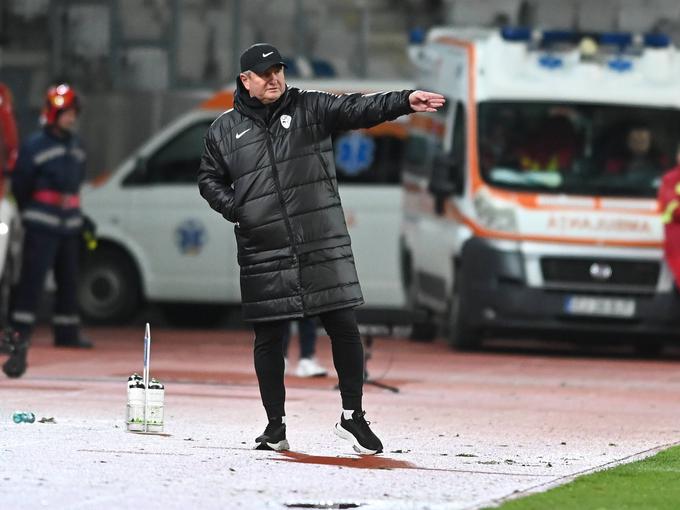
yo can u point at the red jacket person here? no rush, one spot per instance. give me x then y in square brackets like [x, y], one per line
[669, 205]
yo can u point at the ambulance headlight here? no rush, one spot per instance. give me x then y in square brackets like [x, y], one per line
[4, 228]
[494, 216]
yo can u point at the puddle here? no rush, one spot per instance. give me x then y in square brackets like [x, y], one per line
[359, 462]
[323, 505]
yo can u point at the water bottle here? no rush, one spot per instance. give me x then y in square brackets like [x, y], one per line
[154, 412]
[135, 404]
[22, 417]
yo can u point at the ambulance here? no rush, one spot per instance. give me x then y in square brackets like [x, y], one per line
[530, 201]
[159, 241]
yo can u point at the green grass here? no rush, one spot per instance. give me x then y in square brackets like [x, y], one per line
[649, 484]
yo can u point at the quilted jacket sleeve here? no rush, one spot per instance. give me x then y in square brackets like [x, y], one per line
[214, 181]
[354, 111]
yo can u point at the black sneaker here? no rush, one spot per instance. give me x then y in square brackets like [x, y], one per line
[273, 437]
[357, 431]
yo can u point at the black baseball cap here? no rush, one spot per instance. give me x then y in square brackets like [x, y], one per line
[260, 57]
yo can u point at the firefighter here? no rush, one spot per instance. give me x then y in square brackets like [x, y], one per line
[669, 205]
[46, 183]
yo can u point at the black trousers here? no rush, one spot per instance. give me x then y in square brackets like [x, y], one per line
[44, 250]
[348, 358]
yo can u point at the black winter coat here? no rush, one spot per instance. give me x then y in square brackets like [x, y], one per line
[276, 181]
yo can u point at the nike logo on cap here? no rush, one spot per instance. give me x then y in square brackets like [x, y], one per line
[265, 55]
[239, 135]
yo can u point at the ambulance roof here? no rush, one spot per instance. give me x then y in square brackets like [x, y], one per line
[557, 65]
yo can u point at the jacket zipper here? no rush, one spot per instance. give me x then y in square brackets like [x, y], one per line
[286, 219]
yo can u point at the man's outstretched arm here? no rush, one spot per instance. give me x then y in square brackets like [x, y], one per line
[354, 111]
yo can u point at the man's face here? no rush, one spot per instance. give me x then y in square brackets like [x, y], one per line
[67, 120]
[267, 86]
[639, 141]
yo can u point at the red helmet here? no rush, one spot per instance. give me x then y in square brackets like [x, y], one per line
[59, 98]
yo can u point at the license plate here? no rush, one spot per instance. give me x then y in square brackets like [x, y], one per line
[601, 307]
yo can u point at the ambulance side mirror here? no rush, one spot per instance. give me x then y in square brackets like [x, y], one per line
[444, 180]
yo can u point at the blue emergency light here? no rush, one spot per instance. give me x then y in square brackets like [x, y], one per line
[550, 61]
[548, 38]
[516, 33]
[620, 64]
[620, 39]
[657, 40]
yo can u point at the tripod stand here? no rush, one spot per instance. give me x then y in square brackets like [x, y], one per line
[367, 340]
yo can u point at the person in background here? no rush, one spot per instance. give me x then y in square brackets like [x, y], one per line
[9, 138]
[46, 185]
[669, 206]
[308, 365]
[552, 146]
[268, 167]
[639, 153]
[10, 343]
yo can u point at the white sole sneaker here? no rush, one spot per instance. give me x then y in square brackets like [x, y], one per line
[309, 367]
[345, 434]
[280, 446]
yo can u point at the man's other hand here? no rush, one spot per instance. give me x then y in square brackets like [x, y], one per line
[422, 101]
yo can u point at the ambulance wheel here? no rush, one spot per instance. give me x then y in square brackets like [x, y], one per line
[108, 287]
[461, 336]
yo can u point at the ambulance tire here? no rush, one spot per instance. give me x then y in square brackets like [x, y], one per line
[108, 287]
[461, 336]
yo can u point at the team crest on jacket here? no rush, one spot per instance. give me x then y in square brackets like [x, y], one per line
[285, 121]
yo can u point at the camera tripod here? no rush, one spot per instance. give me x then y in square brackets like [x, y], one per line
[367, 340]
[17, 349]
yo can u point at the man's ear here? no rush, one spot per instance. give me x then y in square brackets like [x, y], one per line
[245, 80]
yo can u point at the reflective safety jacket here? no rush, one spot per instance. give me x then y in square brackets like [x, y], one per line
[46, 182]
[669, 205]
[276, 181]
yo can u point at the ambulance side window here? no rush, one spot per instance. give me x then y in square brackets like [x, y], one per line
[366, 158]
[176, 162]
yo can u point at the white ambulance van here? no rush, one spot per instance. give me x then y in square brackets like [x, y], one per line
[530, 201]
[159, 241]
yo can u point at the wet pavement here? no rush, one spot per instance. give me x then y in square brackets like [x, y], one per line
[464, 431]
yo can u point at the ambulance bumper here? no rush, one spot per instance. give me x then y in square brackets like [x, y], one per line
[498, 298]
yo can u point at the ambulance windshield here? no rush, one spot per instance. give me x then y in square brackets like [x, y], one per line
[584, 149]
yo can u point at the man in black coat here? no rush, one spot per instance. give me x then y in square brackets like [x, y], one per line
[268, 167]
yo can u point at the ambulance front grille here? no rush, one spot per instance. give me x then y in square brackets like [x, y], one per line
[609, 274]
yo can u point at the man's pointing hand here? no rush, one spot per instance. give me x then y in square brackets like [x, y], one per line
[422, 101]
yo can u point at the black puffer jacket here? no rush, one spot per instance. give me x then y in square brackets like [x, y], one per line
[276, 181]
